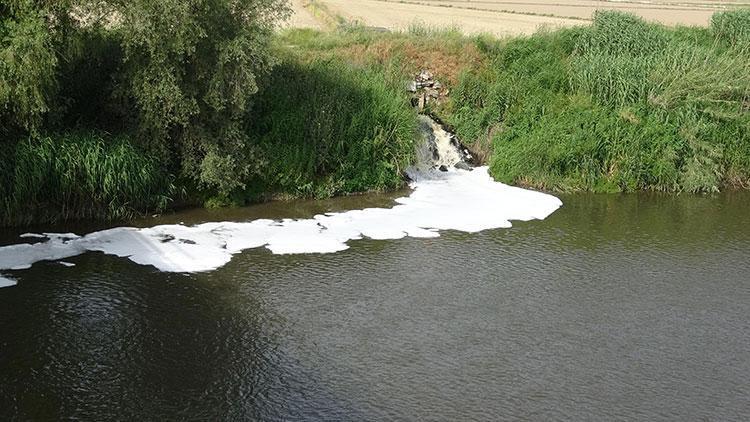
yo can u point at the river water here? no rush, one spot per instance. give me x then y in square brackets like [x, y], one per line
[615, 307]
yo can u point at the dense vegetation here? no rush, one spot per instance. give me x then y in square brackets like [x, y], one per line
[621, 105]
[113, 108]
[80, 175]
[326, 128]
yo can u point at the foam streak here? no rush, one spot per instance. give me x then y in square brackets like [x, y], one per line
[455, 200]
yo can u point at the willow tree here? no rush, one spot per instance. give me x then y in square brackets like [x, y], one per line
[184, 73]
[27, 63]
[191, 67]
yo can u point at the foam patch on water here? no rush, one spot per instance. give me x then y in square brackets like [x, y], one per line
[6, 282]
[455, 200]
[32, 236]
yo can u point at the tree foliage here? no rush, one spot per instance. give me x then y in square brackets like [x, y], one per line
[191, 66]
[179, 73]
[27, 66]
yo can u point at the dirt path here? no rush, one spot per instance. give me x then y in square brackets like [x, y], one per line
[667, 12]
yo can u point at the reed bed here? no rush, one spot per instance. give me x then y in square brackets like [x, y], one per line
[622, 105]
[80, 176]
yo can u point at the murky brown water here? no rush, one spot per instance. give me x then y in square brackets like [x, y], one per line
[632, 307]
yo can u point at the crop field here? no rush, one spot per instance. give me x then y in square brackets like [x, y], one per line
[511, 17]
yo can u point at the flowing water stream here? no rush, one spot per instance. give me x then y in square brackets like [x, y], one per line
[613, 307]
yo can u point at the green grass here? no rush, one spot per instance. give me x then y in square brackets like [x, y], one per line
[78, 176]
[732, 27]
[318, 127]
[621, 105]
[326, 128]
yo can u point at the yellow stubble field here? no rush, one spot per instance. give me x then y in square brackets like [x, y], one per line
[511, 17]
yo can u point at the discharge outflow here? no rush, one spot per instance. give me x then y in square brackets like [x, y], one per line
[462, 200]
[437, 149]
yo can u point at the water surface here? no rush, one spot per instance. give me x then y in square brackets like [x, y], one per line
[622, 307]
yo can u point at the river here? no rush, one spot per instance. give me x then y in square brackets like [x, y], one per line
[615, 307]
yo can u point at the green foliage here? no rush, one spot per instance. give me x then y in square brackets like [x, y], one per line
[89, 80]
[536, 64]
[191, 92]
[191, 67]
[622, 34]
[622, 105]
[732, 26]
[27, 69]
[179, 74]
[326, 128]
[79, 175]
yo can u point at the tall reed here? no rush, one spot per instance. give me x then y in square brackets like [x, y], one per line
[80, 176]
[620, 105]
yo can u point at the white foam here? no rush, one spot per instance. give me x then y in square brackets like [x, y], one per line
[32, 235]
[22, 256]
[454, 200]
[6, 282]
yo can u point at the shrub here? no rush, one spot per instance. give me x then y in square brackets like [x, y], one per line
[190, 69]
[27, 69]
[629, 106]
[327, 128]
[179, 72]
[621, 33]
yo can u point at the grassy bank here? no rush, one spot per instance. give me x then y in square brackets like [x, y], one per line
[317, 129]
[621, 105]
[155, 104]
[325, 128]
[75, 176]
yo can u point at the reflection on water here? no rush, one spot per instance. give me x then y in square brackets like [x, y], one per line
[615, 307]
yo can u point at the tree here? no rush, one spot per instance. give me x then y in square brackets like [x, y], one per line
[27, 65]
[191, 67]
[186, 73]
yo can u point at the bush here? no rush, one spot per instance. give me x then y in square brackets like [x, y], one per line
[190, 68]
[180, 73]
[619, 34]
[622, 105]
[326, 128]
[27, 69]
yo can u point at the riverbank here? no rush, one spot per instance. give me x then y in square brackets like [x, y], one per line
[617, 106]
[152, 106]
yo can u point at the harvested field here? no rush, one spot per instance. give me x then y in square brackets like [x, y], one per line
[509, 17]
[666, 12]
[393, 15]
